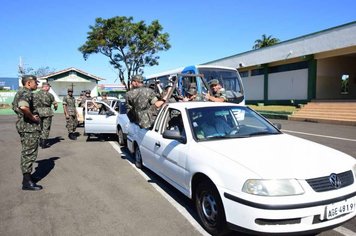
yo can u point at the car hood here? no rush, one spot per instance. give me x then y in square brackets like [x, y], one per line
[281, 156]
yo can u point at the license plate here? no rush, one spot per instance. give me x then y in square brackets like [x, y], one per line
[340, 208]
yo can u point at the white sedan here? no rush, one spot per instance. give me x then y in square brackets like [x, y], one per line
[107, 119]
[243, 173]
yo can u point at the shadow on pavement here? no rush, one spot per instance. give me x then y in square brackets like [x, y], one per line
[101, 137]
[52, 141]
[43, 168]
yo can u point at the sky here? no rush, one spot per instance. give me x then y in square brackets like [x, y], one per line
[48, 33]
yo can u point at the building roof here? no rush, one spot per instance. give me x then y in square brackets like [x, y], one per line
[71, 69]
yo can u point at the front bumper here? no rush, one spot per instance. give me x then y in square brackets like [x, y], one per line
[243, 215]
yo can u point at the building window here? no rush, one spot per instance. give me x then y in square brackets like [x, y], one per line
[243, 73]
[345, 84]
[257, 72]
[288, 67]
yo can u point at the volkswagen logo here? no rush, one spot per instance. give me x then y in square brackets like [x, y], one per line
[335, 181]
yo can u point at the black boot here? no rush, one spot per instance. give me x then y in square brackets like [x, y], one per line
[45, 143]
[27, 183]
[40, 143]
[72, 136]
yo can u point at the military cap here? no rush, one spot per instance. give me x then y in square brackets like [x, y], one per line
[70, 90]
[26, 78]
[46, 83]
[213, 82]
[137, 78]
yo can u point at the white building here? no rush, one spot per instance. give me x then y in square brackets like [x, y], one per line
[72, 78]
[318, 66]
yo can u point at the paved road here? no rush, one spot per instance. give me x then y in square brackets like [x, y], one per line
[90, 188]
[340, 137]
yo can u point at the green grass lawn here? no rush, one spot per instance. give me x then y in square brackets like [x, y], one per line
[8, 111]
[274, 112]
[272, 108]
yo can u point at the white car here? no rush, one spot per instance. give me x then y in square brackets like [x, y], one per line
[243, 173]
[109, 119]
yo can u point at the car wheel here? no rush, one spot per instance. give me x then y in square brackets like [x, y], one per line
[210, 208]
[138, 158]
[120, 137]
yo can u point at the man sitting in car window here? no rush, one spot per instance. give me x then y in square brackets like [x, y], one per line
[218, 93]
[176, 122]
[102, 108]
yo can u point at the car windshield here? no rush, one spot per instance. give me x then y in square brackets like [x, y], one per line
[211, 123]
[228, 79]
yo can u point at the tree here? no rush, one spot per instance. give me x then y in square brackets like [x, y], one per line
[129, 46]
[265, 42]
[40, 72]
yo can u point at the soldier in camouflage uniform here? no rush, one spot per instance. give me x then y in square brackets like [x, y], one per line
[28, 127]
[142, 103]
[219, 94]
[83, 100]
[70, 113]
[100, 106]
[43, 100]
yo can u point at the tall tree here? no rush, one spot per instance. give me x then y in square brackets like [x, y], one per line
[42, 71]
[129, 46]
[265, 42]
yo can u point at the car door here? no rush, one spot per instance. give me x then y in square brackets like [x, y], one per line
[147, 141]
[171, 155]
[97, 122]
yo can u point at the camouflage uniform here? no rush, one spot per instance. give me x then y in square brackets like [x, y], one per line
[72, 122]
[43, 101]
[140, 106]
[102, 108]
[29, 131]
[220, 94]
[82, 103]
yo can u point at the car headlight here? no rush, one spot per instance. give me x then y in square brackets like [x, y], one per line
[354, 169]
[272, 187]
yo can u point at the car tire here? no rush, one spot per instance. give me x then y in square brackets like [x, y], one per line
[120, 137]
[138, 158]
[210, 209]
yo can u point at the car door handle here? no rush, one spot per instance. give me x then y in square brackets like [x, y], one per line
[89, 118]
[157, 144]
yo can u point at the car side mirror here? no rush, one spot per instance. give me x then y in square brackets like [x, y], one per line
[175, 135]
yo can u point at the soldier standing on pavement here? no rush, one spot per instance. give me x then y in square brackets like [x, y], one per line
[142, 103]
[83, 101]
[43, 100]
[70, 112]
[28, 127]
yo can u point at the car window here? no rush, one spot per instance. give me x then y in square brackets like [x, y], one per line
[102, 109]
[174, 121]
[211, 123]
